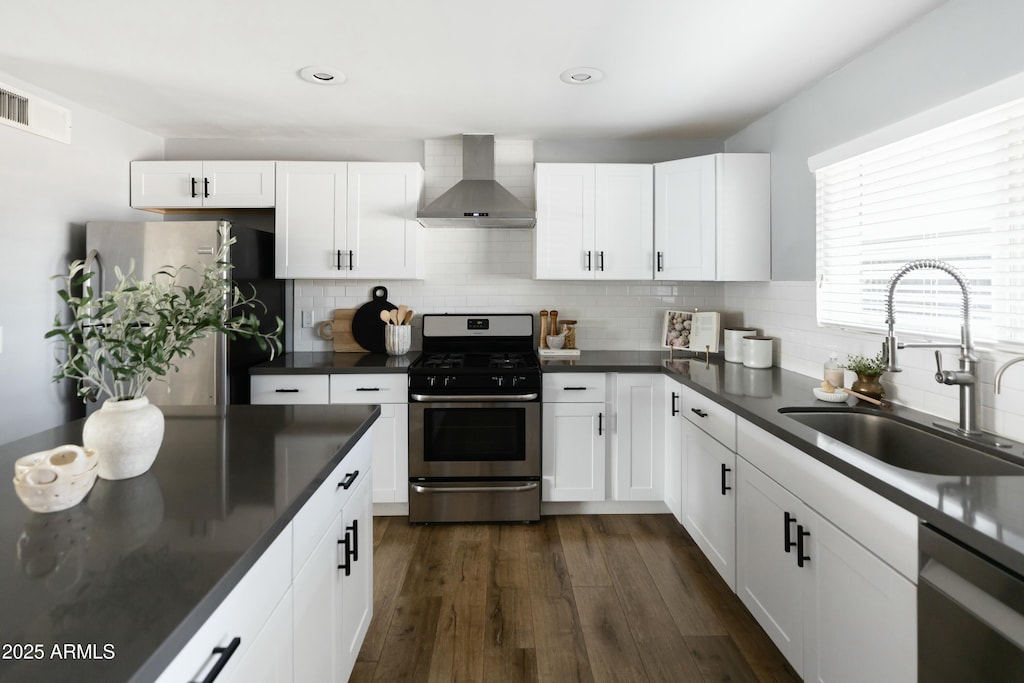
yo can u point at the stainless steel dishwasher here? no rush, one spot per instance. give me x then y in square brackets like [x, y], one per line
[970, 614]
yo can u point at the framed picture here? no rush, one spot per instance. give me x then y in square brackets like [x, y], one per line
[675, 331]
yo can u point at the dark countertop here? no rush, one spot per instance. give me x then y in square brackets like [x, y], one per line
[984, 512]
[327, 362]
[607, 361]
[141, 563]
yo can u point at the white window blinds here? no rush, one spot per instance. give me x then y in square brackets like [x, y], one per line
[954, 193]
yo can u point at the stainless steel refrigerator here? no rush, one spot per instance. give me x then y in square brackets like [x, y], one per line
[218, 372]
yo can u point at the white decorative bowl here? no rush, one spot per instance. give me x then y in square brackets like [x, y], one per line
[839, 396]
[55, 480]
[556, 341]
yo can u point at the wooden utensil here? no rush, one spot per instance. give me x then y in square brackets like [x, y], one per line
[862, 397]
[402, 310]
[386, 316]
[408, 318]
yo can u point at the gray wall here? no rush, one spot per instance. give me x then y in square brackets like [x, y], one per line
[48, 190]
[960, 47]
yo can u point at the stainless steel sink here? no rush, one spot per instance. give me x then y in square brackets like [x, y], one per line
[903, 445]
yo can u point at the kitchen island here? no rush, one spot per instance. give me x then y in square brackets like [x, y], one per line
[113, 588]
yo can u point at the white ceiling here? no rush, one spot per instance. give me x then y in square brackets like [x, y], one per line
[698, 69]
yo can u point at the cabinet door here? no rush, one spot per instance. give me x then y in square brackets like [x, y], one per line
[238, 184]
[166, 184]
[355, 606]
[269, 658]
[860, 615]
[639, 438]
[391, 454]
[383, 233]
[564, 236]
[310, 220]
[767, 577]
[685, 219]
[316, 591]
[709, 499]
[675, 450]
[574, 451]
[624, 221]
[744, 217]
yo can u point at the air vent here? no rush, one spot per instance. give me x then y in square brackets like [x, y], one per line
[34, 115]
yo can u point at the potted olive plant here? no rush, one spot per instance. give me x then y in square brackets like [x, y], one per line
[868, 371]
[118, 342]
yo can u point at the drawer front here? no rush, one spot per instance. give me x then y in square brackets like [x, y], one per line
[290, 389]
[575, 387]
[315, 517]
[715, 419]
[370, 388]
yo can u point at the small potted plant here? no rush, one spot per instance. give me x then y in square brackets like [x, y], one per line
[868, 371]
[118, 342]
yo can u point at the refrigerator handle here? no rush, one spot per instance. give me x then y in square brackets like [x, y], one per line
[92, 259]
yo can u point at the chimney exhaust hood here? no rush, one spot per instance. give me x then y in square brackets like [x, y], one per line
[478, 200]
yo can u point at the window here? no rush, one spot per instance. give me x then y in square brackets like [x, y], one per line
[954, 193]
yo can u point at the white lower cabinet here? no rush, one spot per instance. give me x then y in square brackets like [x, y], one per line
[825, 566]
[674, 447]
[709, 498]
[269, 660]
[574, 449]
[638, 456]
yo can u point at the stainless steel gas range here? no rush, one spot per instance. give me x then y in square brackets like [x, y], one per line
[474, 421]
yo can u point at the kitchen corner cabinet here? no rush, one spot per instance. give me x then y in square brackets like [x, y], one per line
[712, 218]
[347, 220]
[332, 590]
[594, 221]
[575, 434]
[825, 566]
[202, 184]
[638, 425]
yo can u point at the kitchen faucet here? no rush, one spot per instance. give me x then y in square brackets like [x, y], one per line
[967, 376]
[1003, 368]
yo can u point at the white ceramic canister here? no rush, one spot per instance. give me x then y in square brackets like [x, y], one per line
[397, 339]
[757, 352]
[734, 342]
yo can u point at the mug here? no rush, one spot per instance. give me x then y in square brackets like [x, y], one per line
[734, 342]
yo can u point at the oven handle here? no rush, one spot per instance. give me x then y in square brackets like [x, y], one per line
[474, 489]
[424, 398]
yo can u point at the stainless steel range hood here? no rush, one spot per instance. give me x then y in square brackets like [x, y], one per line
[478, 200]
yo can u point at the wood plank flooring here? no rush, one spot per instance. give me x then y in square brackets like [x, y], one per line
[572, 598]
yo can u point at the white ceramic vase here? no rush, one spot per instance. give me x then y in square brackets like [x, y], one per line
[126, 435]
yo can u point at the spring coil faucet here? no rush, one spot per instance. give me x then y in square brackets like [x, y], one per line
[966, 376]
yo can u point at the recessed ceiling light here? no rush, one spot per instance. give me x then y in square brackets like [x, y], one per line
[322, 75]
[580, 75]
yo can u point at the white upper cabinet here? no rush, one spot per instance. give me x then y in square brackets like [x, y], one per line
[202, 184]
[347, 220]
[594, 221]
[712, 218]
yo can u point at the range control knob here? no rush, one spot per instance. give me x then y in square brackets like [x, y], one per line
[498, 380]
[431, 380]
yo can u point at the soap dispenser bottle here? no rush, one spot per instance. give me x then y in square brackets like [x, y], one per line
[834, 373]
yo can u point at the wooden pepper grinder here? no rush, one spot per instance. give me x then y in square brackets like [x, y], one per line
[544, 329]
[554, 323]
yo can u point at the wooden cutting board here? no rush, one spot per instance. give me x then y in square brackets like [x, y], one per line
[344, 342]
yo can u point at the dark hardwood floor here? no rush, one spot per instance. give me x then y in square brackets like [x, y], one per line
[573, 598]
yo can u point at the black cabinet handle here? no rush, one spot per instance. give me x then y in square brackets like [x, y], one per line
[574, 388]
[800, 536]
[788, 519]
[600, 261]
[600, 424]
[698, 412]
[367, 388]
[225, 654]
[194, 195]
[346, 564]
[347, 481]
[675, 401]
[354, 547]
[351, 260]
[661, 261]
[206, 187]
[726, 487]
[338, 260]
[286, 391]
[588, 261]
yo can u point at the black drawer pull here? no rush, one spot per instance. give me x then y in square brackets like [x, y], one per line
[600, 424]
[788, 519]
[661, 261]
[347, 481]
[698, 412]
[286, 391]
[675, 404]
[800, 536]
[194, 195]
[574, 388]
[354, 547]
[725, 487]
[225, 654]
[367, 388]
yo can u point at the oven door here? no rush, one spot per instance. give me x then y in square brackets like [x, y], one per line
[474, 439]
